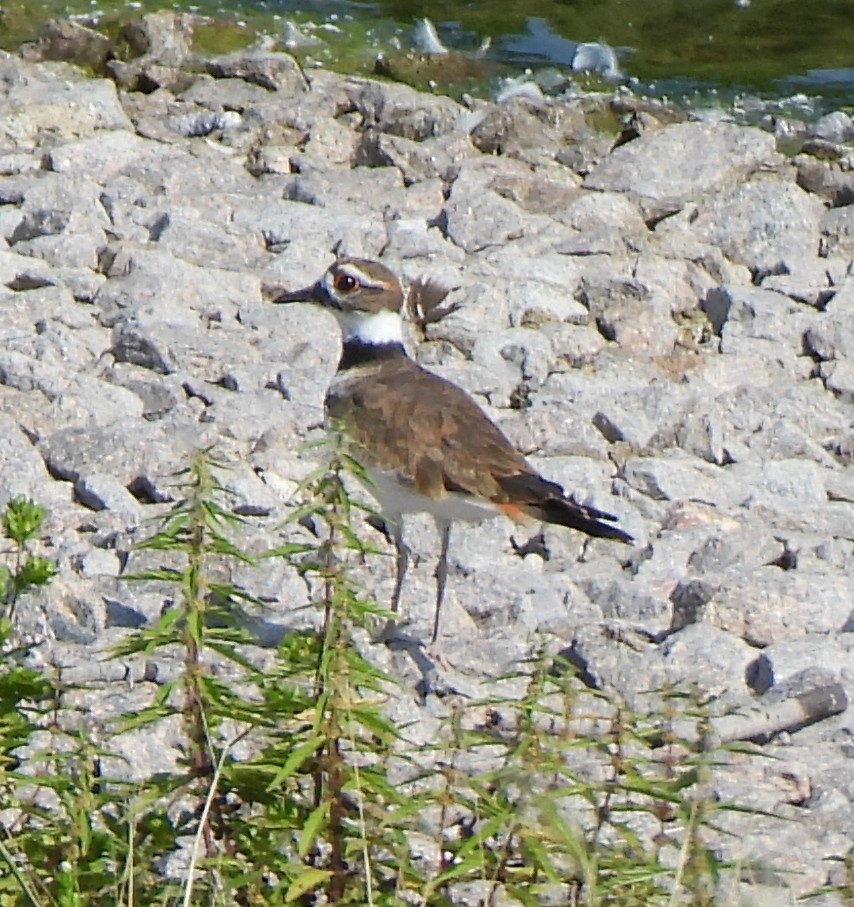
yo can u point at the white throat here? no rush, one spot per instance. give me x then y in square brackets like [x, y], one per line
[371, 328]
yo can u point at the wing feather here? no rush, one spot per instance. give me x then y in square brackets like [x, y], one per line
[411, 421]
[430, 432]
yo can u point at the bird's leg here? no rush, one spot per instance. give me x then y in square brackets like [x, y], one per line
[401, 563]
[444, 527]
[388, 632]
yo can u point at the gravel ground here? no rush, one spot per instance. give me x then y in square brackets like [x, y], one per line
[664, 325]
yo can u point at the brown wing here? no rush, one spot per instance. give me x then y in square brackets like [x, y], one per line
[432, 432]
[429, 430]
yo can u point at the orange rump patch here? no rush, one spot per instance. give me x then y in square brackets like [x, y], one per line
[514, 511]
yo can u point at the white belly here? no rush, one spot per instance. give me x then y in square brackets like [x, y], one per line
[396, 499]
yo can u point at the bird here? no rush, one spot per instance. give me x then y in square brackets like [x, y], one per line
[424, 443]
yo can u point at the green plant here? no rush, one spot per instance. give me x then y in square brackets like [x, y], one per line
[22, 524]
[293, 785]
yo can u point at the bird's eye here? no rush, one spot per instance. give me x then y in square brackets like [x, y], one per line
[345, 282]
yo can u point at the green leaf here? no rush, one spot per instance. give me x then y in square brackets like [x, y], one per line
[132, 720]
[297, 758]
[309, 879]
[22, 520]
[35, 571]
[289, 549]
[317, 819]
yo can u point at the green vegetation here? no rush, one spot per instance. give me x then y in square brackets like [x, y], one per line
[728, 45]
[293, 786]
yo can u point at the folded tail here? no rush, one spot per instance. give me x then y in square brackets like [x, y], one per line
[536, 497]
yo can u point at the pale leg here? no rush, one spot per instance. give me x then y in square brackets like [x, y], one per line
[401, 563]
[388, 633]
[444, 527]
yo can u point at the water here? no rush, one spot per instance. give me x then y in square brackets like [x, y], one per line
[679, 49]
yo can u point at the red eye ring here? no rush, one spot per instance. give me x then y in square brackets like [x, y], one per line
[345, 282]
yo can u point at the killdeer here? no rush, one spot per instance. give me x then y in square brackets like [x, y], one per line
[425, 443]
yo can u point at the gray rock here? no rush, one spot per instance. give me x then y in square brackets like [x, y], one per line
[415, 238]
[629, 313]
[838, 377]
[147, 75]
[765, 607]
[342, 188]
[649, 417]
[779, 484]
[225, 94]
[547, 428]
[825, 178]
[304, 233]
[519, 129]
[24, 473]
[716, 661]
[544, 189]
[158, 397]
[260, 66]
[26, 374]
[748, 545]
[68, 108]
[760, 224]
[139, 455]
[20, 272]
[477, 218]
[153, 288]
[829, 339]
[69, 252]
[56, 204]
[522, 354]
[781, 662]
[400, 110]
[88, 401]
[833, 127]
[101, 491]
[837, 229]
[607, 221]
[678, 477]
[163, 36]
[416, 160]
[64, 39]
[809, 280]
[107, 153]
[630, 355]
[461, 327]
[681, 163]
[609, 656]
[632, 604]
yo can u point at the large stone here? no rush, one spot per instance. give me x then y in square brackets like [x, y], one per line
[64, 39]
[685, 162]
[163, 36]
[64, 109]
[105, 154]
[767, 606]
[761, 224]
[416, 160]
[478, 218]
[401, 110]
[269, 69]
[630, 314]
[837, 228]
[520, 129]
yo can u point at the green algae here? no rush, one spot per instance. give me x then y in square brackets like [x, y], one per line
[768, 47]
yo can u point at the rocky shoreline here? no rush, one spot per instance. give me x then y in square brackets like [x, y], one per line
[664, 323]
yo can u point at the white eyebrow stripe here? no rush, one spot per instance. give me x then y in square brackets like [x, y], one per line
[362, 277]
